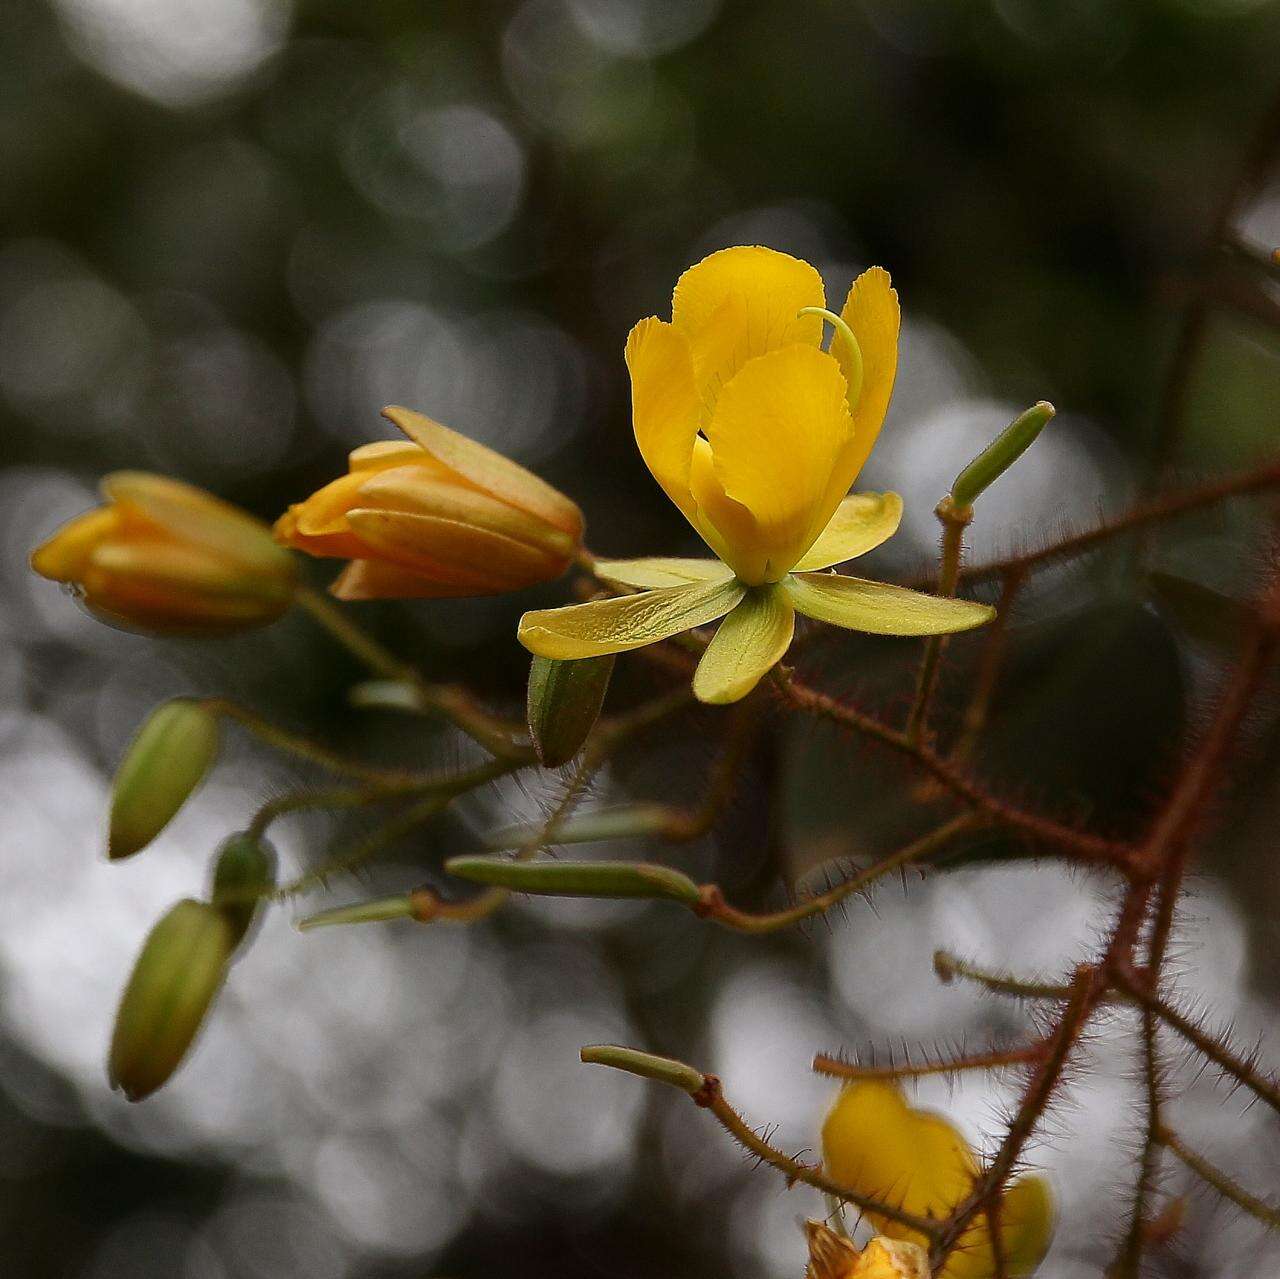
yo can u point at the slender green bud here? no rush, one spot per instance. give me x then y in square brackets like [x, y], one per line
[243, 874]
[1000, 455]
[165, 762]
[564, 703]
[403, 906]
[627, 821]
[173, 984]
[666, 1070]
[577, 879]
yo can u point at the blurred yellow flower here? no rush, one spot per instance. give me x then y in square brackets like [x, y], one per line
[163, 556]
[873, 1142]
[437, 516]
[756, 433]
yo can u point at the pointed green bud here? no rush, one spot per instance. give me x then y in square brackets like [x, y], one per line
[564, 703]
[244, 873]
[178, 973]
[1000, 455]
[666, 1070]
[376, 911]
[577, 879]
[165, 762]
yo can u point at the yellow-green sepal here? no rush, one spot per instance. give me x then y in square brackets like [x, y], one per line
[631, 621]
[167, 759]
[746, 646]
[861, 523]
[879, 608]
[655, 572]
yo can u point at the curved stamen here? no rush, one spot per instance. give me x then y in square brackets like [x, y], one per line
[852, 361]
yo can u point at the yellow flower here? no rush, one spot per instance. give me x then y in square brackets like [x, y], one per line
[163, 556]
[437, 516]
[832, 1256]
[875, 1143]
[756, 433]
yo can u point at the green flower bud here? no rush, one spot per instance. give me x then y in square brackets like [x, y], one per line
[244, 872]
[666, 1070]
[1000, 455]
[170, 990]
[165, 762]
[578, 879]
[564, 703]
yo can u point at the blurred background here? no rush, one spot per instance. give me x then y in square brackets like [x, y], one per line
[231, 230]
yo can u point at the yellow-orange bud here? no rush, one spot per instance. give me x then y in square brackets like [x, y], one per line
[165, 557]
[437, 516]
[165, 762]
[173, 984]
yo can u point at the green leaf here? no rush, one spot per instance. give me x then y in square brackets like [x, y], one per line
[655, 573]
[577, 879]
[861, 522]
[748, 644]
[564, 703]
[613, 626]
[880, 609]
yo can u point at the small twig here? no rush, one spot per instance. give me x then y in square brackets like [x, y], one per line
[1225, 1185]
[837, 1068]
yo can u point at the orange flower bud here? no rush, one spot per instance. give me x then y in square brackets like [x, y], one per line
[163, 556]
[438, 516]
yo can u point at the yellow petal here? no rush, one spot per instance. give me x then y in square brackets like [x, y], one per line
[748, 644]
[475, 561]
[65, 555]
[613, 626]
[741, 303]
[886, 1258]
[488, 470]
[881, 609]
[417, 491]
[1026, 1224]
[654, 573]
[861, 522]
[664, 405]
[727, 527]
[875, 1143]
[779, 429]
[192, 515]
[871, 311]
[384, 453]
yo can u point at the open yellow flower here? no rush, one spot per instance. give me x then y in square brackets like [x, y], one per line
[435, 516]
[163, 556]
[756, 433]
[873, 1142]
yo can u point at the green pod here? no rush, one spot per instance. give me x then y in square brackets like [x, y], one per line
[1000, 455]
[578, 879]
[243, 874]
[165, 762]
[181, 967]
[666, 1070]
[564, 703]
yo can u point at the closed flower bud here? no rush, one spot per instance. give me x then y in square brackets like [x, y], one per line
[244, 872]
[437, 516]
[170, 990]
[162, 556]
[832, 1256]
[564, 703]
[165, 762]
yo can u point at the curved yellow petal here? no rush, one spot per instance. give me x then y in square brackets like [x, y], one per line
[664, 405]
[490, 471]
[861, 522]
[613, 626]
[880, 609]
[476, 561]
[740, 303]
[64, 556]
[193, 515]
[779, 429]
[749, 643]
[875, 1143]
[871, 310]
[383, 453]
[1026, 1224]
[654, 573]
